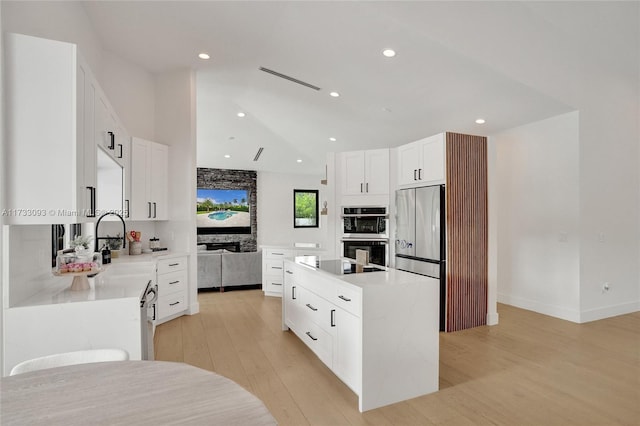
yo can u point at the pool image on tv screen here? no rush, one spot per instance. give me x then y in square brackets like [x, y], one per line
[224, 209]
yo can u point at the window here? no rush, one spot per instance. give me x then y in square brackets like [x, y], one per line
[305, 208]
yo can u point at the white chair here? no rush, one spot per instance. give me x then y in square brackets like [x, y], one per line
[70, 358]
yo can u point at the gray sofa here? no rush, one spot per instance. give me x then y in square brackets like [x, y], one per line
[223, 268]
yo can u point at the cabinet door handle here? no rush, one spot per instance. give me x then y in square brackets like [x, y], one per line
[311, 307]
[149, 205]
[173, 304]
[367, 186]
[293, 292]
[414, 174]
[92, 201]
[308, 333]
[174, 282]
[361, 187]
[155, 210]
[120, 147]
[126, 212]
[112, 140]
[419, 174]
[333, 318]
[346, 299]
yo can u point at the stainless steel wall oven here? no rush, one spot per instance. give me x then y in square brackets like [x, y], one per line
[366, 228]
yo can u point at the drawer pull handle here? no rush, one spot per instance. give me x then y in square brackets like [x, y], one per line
[276, 283]
[308, 333]
[289, 272]
[276, 267]
[174, 282]
[346, 299]
[173, 304]
[311, 307]
[278, 254]
[333, 318]
[173, 264]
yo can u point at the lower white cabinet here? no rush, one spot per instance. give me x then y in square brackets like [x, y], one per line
[273, 266]
[377, 332]
[172, 288]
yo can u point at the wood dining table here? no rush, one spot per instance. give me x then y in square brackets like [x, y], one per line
[128, 393]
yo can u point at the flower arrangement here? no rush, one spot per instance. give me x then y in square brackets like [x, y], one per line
[81, 242]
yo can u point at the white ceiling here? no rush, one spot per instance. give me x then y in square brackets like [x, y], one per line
[456, 61]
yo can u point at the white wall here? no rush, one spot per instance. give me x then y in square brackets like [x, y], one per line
[275, 210]
[537, 216]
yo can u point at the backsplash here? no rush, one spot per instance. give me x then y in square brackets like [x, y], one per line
[233, 179]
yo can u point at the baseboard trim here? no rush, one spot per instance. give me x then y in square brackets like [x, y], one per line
[609, 311]
[542, 308]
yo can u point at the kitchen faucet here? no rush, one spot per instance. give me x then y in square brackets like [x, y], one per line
[124, 230]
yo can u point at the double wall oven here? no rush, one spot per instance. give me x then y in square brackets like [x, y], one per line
[366, 228]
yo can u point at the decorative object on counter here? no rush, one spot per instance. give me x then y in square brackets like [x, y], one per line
[81, 241]
[114, 244]
[79, 263]
[154, 243]
[135, 246]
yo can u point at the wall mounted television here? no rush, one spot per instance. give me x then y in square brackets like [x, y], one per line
[223, 211]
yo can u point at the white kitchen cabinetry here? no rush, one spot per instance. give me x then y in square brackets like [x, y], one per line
[50, 153]
[149, 182]
[172, 288]
[273, 265]
[377, 331]
[422, 162]
[109, 132]
[365, 172]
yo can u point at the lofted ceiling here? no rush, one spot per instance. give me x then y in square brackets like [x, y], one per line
[455, 62]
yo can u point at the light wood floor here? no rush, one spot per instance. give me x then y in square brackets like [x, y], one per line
[530, 369]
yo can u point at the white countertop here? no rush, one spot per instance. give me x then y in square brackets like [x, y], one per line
[387, 277]
[294, 246]
[146, 257]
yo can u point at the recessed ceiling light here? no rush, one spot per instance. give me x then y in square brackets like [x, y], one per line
[334, 94]
[241, 114]
[332, 139]
[227, 156]
[480, 121]
[203, 56]
[299, 160]
[389, 53]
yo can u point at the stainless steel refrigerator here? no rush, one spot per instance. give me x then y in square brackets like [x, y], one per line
[420, 235]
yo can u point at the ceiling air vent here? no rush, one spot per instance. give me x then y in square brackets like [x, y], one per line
[258, 154]
[286, 77]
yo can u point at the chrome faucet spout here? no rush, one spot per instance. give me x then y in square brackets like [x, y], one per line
[124, 230]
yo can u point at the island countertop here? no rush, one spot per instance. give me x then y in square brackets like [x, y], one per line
[380, 276]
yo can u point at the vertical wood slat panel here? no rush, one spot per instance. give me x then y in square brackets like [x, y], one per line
[467, 231]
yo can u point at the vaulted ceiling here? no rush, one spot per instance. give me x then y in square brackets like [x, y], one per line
[505, 62]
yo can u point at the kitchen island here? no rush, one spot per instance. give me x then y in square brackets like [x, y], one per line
[376, 328]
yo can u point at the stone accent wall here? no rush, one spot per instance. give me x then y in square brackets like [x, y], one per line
[233, 179]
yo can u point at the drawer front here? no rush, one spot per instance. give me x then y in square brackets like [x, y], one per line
[279, 253]
[272, 285]
[171, 304]
[273, 266]
[318, 340]
[172, 282]
[316, 309]
[170, 265]
[348, 298]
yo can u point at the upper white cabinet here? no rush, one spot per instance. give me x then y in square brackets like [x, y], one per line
[109, 132]
[149, 182]
[365, 172]
[50, 153]
[422, 162]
